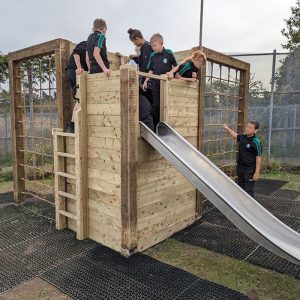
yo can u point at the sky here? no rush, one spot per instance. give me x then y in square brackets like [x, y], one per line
[229, 26]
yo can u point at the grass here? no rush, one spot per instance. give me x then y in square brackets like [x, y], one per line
[235, 274]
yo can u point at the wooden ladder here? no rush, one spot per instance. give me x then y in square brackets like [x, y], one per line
[60, 183]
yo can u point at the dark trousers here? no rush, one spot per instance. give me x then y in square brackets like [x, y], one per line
[145, 111]
[245, 178]
[71, 73]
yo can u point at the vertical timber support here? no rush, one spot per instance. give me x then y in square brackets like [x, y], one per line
[62, 54]
[129, 137]
[200, 141]
[164, 100]
[81, 165]
[243, 100]
[17, 130]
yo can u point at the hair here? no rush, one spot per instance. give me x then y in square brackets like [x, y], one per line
[157, 37]
[195, 55]
[255, 123]
[134, 34]
[99, 24]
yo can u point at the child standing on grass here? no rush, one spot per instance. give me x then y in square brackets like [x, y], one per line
[96, 55]
[161, 62]
[249, 156]
[188, 69]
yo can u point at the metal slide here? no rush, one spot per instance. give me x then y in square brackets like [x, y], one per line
[240, 208]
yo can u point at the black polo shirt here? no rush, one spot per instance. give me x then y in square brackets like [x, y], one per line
[161, 63]
[187, 69]
[249, 148]
[144, 57]
[97, 39]
[80, 50]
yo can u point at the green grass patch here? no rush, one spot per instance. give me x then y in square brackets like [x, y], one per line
[235, 274]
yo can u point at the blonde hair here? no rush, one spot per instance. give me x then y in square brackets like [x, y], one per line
[157, 37]
[99, 25]
[196, 55]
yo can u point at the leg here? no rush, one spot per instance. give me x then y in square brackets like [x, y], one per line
[249, 182]
[145, 112]
[240, 175]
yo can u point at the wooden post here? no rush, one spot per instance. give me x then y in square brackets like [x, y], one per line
[164, 99]
[129, 136]
[17, 130]
[81, 163]
[243, 100]
[64, 100]
[200, 141]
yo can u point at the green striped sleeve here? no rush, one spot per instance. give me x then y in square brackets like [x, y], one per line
[101, 40]
[149, 61]
[258, 146]
[187, 66]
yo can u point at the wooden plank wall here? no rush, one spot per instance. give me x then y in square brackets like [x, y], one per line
[104, 160]
[166, 200]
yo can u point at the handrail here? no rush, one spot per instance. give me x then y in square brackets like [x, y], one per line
[153, 76]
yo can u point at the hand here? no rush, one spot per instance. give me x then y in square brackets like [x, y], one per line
[170, 75]
[145, 86]
[256, 176]
[194, 80]
[107, 72]
[226, 127]
[79, 71]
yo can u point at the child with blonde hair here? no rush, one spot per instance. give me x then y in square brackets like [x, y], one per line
[188, 69]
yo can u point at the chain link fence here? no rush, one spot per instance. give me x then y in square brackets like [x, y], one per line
[274, 101]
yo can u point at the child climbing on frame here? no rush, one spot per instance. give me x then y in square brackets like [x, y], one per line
[249, 156]
[161, 62]
[76, 65]
[96, 54]
[188, 69]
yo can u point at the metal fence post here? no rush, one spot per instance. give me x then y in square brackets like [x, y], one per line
[271, 102]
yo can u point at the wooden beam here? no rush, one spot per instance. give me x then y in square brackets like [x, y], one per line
[35, 51]
[63, 93]
[17, 130]
[81, 150]
[200, 142]
[129, 137]
[164, 100]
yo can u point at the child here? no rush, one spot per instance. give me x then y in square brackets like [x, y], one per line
[161, 61]
[96, 55]
[249, 156]
[77, 65]
[138, 40]
[189, 68]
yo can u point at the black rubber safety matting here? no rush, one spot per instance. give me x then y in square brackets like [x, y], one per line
[216, 233]
[268, 186]
[104, 274]
[285, 193]
[6, 198]
[30, 246]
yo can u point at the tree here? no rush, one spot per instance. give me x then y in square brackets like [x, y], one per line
[292, 30]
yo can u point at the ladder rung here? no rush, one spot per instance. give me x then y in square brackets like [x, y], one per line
[67, 214]
[67, 195]
[67, 175]
[61, 133]
[66, 154]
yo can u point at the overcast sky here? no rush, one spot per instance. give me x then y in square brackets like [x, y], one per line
[229, 26]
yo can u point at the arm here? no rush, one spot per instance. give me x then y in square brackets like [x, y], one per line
[99, 60]
[185, 78]
[230, 131]
[145, 85]
[171, 73]
[257, 168]
[87, 59]
[79, 69]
